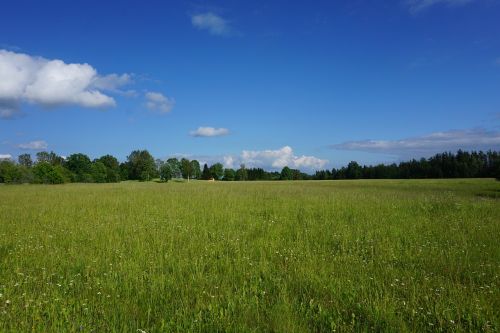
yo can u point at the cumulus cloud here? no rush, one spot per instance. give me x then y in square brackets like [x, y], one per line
[277, 159]
[5, 156]
[265, 159]
[158, 102]
[209, 132]
[52, 83]
[229, 162]
[211, 22]
[33, 145]
[416, 6]
[474, 139]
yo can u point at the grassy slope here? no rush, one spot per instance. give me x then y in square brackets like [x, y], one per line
[255, 256]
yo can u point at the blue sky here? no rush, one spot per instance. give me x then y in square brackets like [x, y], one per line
[307, 84]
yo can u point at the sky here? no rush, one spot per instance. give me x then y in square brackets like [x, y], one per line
[308, 84]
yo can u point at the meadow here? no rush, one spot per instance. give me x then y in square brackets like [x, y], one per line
[302, 256]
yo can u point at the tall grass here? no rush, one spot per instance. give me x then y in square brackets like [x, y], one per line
[390, 256]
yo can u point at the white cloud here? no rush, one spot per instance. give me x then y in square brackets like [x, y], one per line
[33, 145]
[52, 83]
[474, 139]
[215, 24]
[5, 156]
[277, 159]
[209, 132]
[229, 162]
[416, 6]
[156, 101]
[265, 159]
[112, 82]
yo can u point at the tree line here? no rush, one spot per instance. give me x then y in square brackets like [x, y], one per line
[50, 168]
[463, 164]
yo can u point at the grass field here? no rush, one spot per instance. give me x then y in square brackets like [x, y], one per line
[391, 256]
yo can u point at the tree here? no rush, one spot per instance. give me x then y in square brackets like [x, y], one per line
[297, 175]
[124, 171]
[11, 173]
[112, 168]
[165, 172]
[25, 160]
[175, 167]
[141, 165]
[45, 173]
[51, 158]
[241, 173]
[217, 171]
[286, 173]
[195, 169]
[42, 156]
[81, 167]
[99, 172]
[229, 175]
[186, 168]
[354, 170]
[206, 172]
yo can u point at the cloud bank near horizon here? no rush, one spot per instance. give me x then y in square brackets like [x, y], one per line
[437, 142]
[266, 159]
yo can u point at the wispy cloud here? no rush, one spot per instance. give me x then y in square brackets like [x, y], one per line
[211, 22]
[52, 83]
[158, 102]
[209, 132]
[416, 6]
[428, 144]
[33, 145]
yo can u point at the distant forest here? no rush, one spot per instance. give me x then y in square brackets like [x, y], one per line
[50, 168]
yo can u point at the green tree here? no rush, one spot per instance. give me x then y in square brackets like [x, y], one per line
[165, 172]
[112, 168]
[242, 173]
[81, 167]
[175, 167]
[195, 169]
[10, 173]
[286, 173]
[42, 156]
[206, 172]
[124, 171]
[51, 158]
[229, 175]
[25, 160]
[45, 173]
[141, 165]
[217, 171]
[354, 170]
[99, 172]
[186, 168]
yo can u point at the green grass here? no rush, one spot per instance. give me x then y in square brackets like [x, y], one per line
[389, 256]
